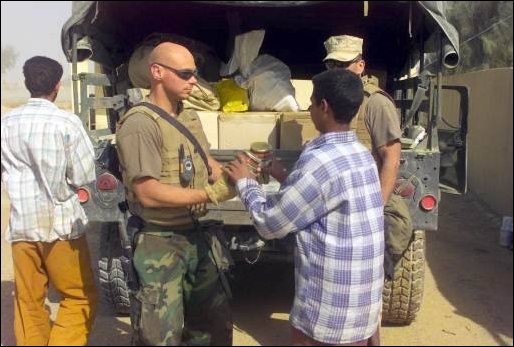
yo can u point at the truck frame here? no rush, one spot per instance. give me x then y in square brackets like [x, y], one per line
[397, 35]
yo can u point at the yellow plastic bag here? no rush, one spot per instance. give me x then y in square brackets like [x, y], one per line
[232, 97]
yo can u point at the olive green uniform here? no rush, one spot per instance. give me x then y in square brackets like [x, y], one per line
[376, 124]
[181, 298]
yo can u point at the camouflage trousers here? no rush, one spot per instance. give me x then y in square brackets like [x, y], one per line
[181, 300]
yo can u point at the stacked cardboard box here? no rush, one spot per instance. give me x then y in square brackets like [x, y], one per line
[296, 129]
[288, 130]
[209, 120]
[239, 130]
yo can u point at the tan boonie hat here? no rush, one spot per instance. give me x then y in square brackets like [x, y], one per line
[343, 47]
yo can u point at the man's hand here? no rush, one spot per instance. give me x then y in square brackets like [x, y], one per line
[276, 170]
[238, 169]
[217, 169]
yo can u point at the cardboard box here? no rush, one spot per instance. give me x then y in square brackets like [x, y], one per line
[296, 128]
[239, 130]
[209, 120]
[303, 92]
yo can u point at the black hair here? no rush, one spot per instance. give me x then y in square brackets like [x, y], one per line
[342, 90]
[41, 75]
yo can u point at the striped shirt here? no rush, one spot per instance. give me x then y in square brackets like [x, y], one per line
[46, 156]
[332, 202]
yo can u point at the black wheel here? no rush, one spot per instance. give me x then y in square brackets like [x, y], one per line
[113, 281]
[403, 294]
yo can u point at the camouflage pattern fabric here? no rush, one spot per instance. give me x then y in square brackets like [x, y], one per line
[181, 300]
[397, 232]
[398, 225]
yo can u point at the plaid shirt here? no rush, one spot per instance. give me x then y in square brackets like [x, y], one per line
[332, 202]
[46, 155]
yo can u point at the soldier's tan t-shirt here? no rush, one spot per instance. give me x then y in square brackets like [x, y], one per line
[139, 143]
[382, 121]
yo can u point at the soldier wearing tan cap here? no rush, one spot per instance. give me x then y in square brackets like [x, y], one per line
[342, 50]
[377, 125]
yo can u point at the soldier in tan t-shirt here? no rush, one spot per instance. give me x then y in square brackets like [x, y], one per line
[377, 123]
[182, 297]
[140, 144]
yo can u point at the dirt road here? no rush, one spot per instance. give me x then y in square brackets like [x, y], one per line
[468, 290]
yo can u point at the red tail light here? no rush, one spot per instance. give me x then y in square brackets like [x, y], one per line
[428, 202]
[106, 181]
[83, 195]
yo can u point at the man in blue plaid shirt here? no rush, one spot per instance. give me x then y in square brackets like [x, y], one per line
[332, 202]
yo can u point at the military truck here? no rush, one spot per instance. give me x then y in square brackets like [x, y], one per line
[411, 43]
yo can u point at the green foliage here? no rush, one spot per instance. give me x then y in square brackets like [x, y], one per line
[485, 29]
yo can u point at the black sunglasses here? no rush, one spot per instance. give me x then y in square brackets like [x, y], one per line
[184, 74]
[335, 64]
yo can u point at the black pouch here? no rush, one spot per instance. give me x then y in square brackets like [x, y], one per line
[134, 225]
[213, 231]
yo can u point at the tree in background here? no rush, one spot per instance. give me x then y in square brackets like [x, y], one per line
[485, 29]
[9, 56]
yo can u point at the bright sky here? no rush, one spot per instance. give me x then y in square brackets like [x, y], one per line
[34, 28]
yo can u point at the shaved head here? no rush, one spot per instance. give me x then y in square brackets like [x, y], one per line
[167, 62]
[172, 54]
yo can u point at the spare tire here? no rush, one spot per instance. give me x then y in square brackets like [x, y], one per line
[403, 294]
[113, 281]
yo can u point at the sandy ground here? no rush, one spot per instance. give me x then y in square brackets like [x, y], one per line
[468, 290]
